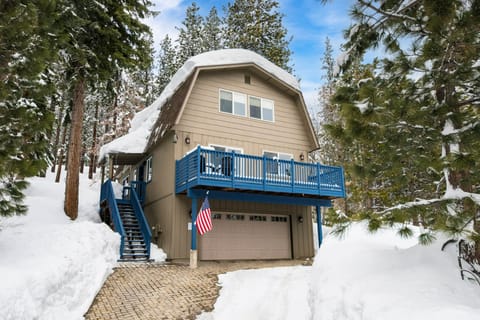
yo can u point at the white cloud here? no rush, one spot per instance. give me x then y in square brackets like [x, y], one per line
[171, 15]
[166, 4]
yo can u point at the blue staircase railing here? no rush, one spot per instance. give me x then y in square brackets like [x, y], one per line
[131, 193]
[135, 195]
[108, 195]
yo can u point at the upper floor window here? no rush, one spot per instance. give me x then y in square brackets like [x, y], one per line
[261, 108]
[233, 102]
[236, 103]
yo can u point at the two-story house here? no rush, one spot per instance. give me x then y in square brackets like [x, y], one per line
[234, 124]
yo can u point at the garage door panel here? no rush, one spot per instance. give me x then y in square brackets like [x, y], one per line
[244, 236]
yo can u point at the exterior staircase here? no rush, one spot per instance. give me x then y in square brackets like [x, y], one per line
[134, 248]
[125, 216]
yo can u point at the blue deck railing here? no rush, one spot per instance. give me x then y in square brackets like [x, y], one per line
[211, 168]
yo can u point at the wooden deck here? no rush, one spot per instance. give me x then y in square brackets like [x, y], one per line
[205, 167]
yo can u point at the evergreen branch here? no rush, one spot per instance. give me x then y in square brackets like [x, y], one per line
[424, 202]
[391, 14]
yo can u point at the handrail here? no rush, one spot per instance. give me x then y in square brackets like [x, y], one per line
[107, 194]
[139, 187]
[137, 208]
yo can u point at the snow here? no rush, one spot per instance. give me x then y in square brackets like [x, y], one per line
[362, 276]
[52, 267]
[144, 121]
[362, 105]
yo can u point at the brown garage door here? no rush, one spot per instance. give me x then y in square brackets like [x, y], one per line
[246, 236]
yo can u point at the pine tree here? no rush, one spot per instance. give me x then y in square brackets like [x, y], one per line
[167, 64]
[328, 114]
[27, 48]
[100, 37]
[257, 25]
[423, 107]
[190, 38]
[212, 31]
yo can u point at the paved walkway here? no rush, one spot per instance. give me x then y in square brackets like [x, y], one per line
[165, 291]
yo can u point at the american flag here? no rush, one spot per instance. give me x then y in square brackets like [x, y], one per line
[204, 220]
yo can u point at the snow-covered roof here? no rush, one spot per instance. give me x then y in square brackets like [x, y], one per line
[136, 140]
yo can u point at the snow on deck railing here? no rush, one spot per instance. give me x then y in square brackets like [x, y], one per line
[208, 167]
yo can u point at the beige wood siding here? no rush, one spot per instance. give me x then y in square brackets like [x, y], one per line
[205, 123]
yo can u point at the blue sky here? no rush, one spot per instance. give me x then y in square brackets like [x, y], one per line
[309, 22]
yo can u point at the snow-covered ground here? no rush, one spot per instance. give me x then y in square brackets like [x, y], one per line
[363, 276]
[51, 268]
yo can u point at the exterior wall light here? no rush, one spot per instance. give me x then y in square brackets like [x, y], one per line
[300, 219]
[175, 138]
[187, 140]
[302, 157]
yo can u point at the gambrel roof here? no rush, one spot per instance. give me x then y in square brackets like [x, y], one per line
[151, 124]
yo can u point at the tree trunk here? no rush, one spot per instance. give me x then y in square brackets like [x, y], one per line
[94, 145]
[60, 154]
[57, 138]
[82, 159]
[74, 150]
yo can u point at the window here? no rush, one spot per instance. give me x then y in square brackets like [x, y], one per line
[233, 102]
[279, 219]
[222, 163]
[148, 170]
[255, 108]
[261, 108]
[278, 167]
[235, 217]
[236, 103]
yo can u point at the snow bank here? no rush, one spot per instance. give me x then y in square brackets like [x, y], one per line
[274, 293]
[381, 276]
[143, 122]
[364, 276]
[52, 267]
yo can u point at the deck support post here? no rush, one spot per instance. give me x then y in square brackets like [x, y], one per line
[319, 226]
[193, 249]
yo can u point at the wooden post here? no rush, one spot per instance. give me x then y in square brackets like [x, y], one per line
[103, 173]
[110, 168]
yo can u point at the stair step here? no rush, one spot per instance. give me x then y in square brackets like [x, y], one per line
[134, 239]
[135, 250]
[131, 227]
